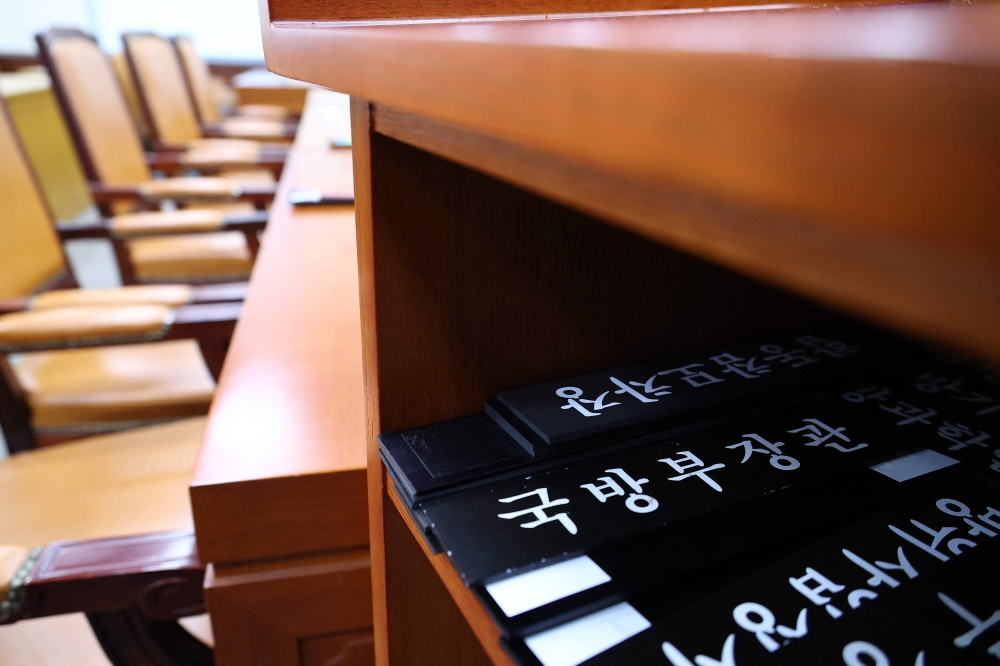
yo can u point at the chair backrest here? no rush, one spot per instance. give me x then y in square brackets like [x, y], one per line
[31, 256]
[123, 73]
[160, 81]
[95, 108]
[199, 80]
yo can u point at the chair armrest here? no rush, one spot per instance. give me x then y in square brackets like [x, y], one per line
[101, 325]
[170, 295]
[160, 294]
[165, 223]
[184, 189]
[158, 573]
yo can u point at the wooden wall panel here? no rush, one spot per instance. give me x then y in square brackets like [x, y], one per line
[269, 611]
[483, 287]
[470, 286]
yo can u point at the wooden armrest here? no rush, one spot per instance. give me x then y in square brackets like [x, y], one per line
[68, 326]
[164, 223]
[184, 189]
[100, 325]
[170, 295]
[103, 194]
[158, 573]
[163, 294]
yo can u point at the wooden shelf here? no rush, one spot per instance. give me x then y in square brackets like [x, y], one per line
[541, 197]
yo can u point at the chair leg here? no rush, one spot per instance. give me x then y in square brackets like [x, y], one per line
[15, 417]
[129, 638]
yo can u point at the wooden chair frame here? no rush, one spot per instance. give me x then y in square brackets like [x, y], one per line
[208, 130]
[167, 161]
[133, 589]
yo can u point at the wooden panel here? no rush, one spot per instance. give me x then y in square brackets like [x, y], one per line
[470, 286]
[284, 450]
[879, 275]
[531, 291]
[851, 167]
[365, 10]
[267, 613]
[354, 648]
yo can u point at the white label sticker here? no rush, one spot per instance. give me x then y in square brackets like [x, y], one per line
[913, 465]
[577, 641]
[531, 590]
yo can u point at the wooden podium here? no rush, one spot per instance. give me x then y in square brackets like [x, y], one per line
[542, 193]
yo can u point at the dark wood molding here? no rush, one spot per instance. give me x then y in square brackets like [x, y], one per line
[159, 574]
[11, 62]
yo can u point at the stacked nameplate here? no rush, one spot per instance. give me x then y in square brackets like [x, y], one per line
[803, 498]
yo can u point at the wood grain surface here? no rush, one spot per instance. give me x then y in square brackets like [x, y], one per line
[284, 449]
[470, 286]
[395, 10]
[802, 147]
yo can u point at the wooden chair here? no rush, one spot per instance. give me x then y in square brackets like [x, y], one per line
[170, 112]
[121, 181]
[103, 526]
[200, 87]
[96, 112]
[119, 63]
[56, 381]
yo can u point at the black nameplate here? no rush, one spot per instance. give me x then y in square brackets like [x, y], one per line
[498, 529]
[583, 407]
[917, 577]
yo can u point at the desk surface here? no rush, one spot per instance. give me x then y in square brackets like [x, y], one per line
[284, 450]
[847, 155]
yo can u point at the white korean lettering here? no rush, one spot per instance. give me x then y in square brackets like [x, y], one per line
[688, 460]
[815, 593]
[878, 576]
[855, 597]
[959, 510]
[865, 394]
[647, 387]
[794, 357]
[782, 462]
[930, 383]
[978, 626]
[625, 388]
[853, 652]
[910, 413]
[954, 545]
[977, 397]
[988, 517]
[742, 367]
[695, 379]
[962, 436]
[539, 511]
[765, 625]
[727, 658]
[575, 399]
[831, 348]
[902, 564]
[636, 502]
[818, 433]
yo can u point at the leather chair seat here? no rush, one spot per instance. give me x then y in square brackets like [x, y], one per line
[100, 385]
[191, 257]
[131, 482]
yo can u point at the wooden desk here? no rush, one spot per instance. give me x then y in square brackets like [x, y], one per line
[259, 86]
[278, 491]
[540, 198]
